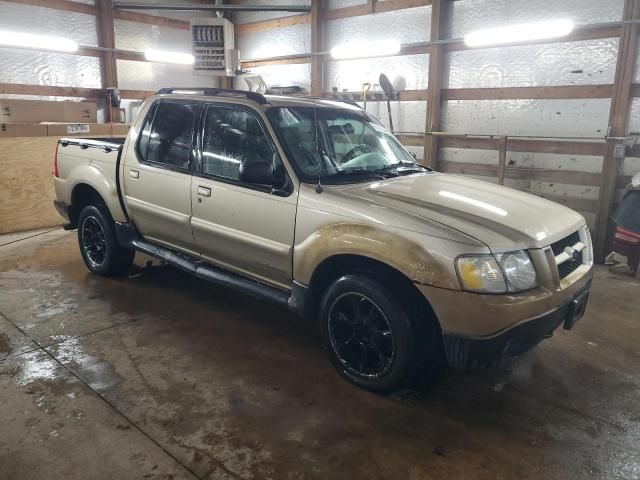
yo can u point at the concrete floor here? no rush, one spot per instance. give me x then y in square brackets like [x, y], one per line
[161, 375]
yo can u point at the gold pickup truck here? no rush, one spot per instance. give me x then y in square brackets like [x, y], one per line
[313, 204]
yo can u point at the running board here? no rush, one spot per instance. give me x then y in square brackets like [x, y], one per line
[215, 275]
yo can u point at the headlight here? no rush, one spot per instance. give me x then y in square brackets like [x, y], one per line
[518, 271]
[480, 274]
[505, 272]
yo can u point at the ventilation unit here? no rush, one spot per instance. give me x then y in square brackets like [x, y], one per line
[212, 40]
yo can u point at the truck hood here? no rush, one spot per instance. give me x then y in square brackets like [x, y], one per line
[500, 217]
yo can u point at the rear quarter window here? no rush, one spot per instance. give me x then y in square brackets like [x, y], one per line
[166, 135]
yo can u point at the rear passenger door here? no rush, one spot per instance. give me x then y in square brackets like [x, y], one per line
[242, 227]
[157, 174]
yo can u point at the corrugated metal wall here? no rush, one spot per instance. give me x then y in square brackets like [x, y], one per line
[23, 66]
[36, 68]
[587, 62]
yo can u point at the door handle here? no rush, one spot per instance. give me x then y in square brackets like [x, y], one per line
[204, 191]
[134, 173]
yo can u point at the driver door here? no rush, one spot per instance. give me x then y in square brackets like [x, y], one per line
[241, 227]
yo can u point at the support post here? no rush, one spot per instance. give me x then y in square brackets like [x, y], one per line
[371, 6]
[502, 159]
[106, 39]
[317, 12]
[440, 15]
[618, 121]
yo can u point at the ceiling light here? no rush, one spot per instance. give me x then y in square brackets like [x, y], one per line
[519, 33]
[37, 42]
[373, 48]
[162, 56]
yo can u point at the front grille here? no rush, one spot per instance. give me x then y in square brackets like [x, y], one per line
[565, 268]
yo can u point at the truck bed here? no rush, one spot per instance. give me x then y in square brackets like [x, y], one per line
[93, 161]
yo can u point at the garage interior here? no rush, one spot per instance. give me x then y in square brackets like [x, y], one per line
[162, 375]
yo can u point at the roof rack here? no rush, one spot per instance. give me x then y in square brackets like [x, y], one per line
[218, 92]
[334, 99]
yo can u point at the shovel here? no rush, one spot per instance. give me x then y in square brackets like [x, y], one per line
[389, 93]
[365, 93]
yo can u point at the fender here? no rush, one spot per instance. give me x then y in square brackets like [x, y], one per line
[402, 250]
[95, 177]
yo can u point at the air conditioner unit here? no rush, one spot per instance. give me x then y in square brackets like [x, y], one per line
[212, 41]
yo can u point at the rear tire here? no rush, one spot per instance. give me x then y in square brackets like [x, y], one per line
[372, 337]
[99, 247]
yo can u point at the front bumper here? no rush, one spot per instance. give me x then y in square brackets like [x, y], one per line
[480, 330]
[477, 353]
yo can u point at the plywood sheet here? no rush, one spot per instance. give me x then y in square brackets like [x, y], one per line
[26, 184]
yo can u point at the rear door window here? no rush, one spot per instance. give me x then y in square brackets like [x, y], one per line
[232, 136]
[166, 136]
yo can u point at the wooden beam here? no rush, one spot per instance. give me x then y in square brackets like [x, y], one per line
[58, 91]
[133, 56]
[364, 9]
[284, 60]
[346, 12]
[137, 17]
[563, 147]
[618, 120]
[546, 175]
[136, 94]
[410, 140]
[440, 27]
[49, 90]
[403, 96]
[580, 204]
[65, 5]
[106, 39]
[76, 7]
[392, 5]
[317, 42]
[272, 24]
[550, 92]
[525, 93]
[502, 159]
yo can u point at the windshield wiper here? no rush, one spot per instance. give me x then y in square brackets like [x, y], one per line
[356, 172]
[402, 169]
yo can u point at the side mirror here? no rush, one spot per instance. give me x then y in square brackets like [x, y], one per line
[260, 173]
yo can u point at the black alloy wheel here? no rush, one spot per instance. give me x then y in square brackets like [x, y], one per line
[361, 335]
[99, 247]
[93, 241]
[373, 333]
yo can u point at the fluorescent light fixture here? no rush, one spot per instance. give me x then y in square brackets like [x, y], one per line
[523, 32]
[374, 48]
[36, 42]
[163, 56]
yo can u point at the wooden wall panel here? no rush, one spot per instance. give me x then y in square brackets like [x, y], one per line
[26, 184]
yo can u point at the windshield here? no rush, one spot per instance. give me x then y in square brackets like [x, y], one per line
[334, 145]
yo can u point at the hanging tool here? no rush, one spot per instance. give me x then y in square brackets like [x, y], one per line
[365, 93]
[389, 93]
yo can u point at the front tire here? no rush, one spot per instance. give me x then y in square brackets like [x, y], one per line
[371, 338]
[99, 247]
